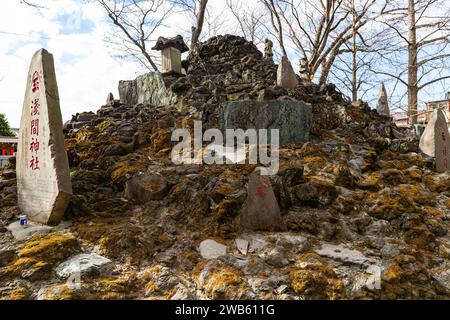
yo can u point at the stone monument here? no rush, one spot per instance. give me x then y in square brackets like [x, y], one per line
[304, 69]
[171, 50]
[435, 141]
[260, 210]
[43, 181]
[268, 49]
[286, 77]
[293, 119]
[382, 103]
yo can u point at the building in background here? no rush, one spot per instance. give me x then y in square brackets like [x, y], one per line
[401, 118]
[8, 147]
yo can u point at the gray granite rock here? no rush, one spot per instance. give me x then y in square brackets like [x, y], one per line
[292, 118]
[90, 263]
[146, 89]
[210, 249]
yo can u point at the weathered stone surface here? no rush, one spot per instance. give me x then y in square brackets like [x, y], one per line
[110, 99]
[146, 89]
[260, 210]
[146, 187]
[43, 180]
[435, 141]
[84, 264]
[210, 249]
[383, 103]
[286, 77]
[242, 245]
[344, 254]
[292, 118]
[32, 229]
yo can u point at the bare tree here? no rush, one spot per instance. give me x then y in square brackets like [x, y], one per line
[249, 20]
[197, 9]
[137, 21]
[423, 31]
[319, 29]
[276, 12]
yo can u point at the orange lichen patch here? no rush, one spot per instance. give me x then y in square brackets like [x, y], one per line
[128, 166]
[50, 248]
[85, 134]
[315, 162]
[416, 193]
[419, 236]
[161, 139]
[438, 183]
[399, 282]
[370, 181]
[414, 174]
[317, 281]
[17, 294]
[226, 209]
[388, 204]
[433, 212]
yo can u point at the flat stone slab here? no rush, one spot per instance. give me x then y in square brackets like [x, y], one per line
[43, 180]
[242, 245]
[210, 249]
[32, 229]
[344, 254]
[84, 264]
[292, 118]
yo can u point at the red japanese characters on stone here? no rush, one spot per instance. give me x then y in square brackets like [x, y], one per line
[35, 107]
[34, 163]
[35, 82]
[35, 127]
[34, 145]
[260, 191]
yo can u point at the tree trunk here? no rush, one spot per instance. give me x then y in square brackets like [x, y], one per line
[413, 87]
[354, 53]
[197, 30]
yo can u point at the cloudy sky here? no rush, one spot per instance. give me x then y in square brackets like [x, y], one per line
[74, 32]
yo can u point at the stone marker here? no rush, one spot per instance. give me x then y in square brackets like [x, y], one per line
[304, 69]
[110, 99]
[382, 103]
[292, 118]
[171, 50]
[43, 180]
[435, 141]
[260, 210]
[268, 49]
[286, 77]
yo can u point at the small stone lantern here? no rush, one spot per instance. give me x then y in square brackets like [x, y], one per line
[171, 50]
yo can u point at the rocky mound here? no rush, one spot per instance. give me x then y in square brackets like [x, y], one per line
[365, 215]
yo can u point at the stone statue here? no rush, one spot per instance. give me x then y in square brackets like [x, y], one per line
[304, 69]
[268, 50]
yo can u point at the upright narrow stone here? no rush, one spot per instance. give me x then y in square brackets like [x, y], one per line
[260, 210]
[286, 77]
[383, 104]
[43, 179]
[110, 99]
[435, 141]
